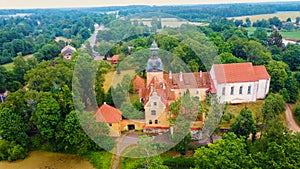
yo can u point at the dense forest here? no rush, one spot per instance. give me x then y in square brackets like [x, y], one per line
[41, 112]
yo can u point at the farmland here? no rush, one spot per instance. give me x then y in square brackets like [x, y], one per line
[280, 15]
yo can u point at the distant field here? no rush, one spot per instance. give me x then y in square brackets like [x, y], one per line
[291, 35]
[10, 66]
[288, 35]
[169, 22]
[280, 15]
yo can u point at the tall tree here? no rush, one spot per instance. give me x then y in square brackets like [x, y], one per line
[229, 152]
[244, 124]
[275, 39]
[13, 127]
[291, 56]
[47, 117]
[277, 71]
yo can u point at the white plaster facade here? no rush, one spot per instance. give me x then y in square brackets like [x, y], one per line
[240, 92]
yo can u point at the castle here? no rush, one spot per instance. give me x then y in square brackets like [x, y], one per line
[231, 83]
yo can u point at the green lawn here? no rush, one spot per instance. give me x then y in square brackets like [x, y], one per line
[291, 35]
[100, 159]
[288, 35]
[10, 66]
[235, 109]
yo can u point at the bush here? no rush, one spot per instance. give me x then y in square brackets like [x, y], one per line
[16, 152]
[11, 151]
[99, 159]
[4, 146]
[179, 162]
[296, 112]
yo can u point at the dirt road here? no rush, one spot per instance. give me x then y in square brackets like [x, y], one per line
[291, 124]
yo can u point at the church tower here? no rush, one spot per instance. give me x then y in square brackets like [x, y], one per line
[154, 65]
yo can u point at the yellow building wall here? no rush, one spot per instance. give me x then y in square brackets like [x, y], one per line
[161, 115]
[139, 124]
[196, 124]
[114, 129]
[193, 92]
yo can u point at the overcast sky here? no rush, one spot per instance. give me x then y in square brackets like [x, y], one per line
[9, 4]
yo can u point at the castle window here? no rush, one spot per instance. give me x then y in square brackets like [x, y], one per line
[153, 112]
[232, 91]
[241, 90]
[150, 121]
[249, 90]
[156, 121]
[223, 91]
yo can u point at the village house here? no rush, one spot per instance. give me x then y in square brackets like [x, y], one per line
[232, 83]
[67, 51]
[114, 59]
[112, 117]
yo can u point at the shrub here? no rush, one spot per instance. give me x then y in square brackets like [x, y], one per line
[296, 112]
[4, 146]
[16, 152]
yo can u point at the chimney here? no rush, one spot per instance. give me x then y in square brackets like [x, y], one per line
[180, 77]
[170, 74]
[104, 103]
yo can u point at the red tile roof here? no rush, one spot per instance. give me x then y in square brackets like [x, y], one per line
[261, 72]
[115, 57]
[156, 127]
[139, 83]
[189, 80]
[237, 72]
[108, 114]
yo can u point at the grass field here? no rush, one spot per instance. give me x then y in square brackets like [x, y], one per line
[235, 109]
[287, 35]
[291, 35]
[10, 66]
[112, 78]
[281, 15]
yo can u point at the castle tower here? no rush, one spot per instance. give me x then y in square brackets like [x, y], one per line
[154, 65]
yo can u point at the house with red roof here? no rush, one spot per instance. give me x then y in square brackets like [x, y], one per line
[112, 117]
[114, 59]
[240, 82]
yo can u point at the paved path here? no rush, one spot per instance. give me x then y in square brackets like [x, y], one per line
[291, 124]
